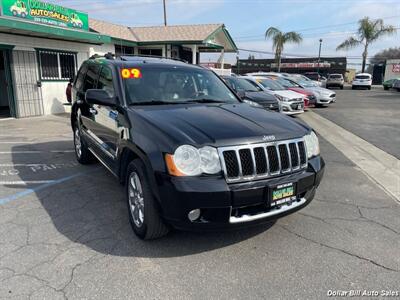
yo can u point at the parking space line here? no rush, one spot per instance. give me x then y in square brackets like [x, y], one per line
[32, 142]
[20, 152]
[26, 192]
[36, 152]
[21, 182]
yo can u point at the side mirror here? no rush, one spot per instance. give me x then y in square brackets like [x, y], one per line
[241, 94]
[100, 97]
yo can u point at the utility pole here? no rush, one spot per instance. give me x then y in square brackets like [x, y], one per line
[319, 54]
[165, 13]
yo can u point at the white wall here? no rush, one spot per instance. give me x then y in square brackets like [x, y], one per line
[392, 64]
[53, 93]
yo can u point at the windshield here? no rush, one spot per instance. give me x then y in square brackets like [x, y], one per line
[287, 83]
[174, 85]
[306, 83]
[242, 84]
[362, 77]
[270, 84]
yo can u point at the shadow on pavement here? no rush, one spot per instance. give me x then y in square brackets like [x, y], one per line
[89, 208]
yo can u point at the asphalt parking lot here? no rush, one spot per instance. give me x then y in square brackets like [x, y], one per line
[372, 115]
[60, 238]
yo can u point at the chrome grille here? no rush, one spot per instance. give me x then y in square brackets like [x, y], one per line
[263, 160]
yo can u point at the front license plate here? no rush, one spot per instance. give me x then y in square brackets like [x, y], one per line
[299, 107]
[283, 193]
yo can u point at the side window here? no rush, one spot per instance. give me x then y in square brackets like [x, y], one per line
[106, 81]
[81, 76]
[91, 77]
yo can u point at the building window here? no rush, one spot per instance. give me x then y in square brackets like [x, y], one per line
[150, 52]
[54, 65]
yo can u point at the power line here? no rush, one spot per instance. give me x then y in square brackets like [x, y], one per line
[315, 28]
[304, 55]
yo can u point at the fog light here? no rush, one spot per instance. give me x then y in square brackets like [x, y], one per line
[194, 215]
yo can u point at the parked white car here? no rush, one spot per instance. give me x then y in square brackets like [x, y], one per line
[362, 80]
[292, 103]
[324, 96]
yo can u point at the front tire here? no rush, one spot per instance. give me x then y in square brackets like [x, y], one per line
[142, 206]
[369, 88]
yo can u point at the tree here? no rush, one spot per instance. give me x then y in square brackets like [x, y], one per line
[279, 39]
[368, 32]
[382, 56]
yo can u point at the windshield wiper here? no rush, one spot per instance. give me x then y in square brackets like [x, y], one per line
[154, 102]
[204, 100]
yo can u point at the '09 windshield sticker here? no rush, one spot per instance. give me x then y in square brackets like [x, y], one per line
[131, 73]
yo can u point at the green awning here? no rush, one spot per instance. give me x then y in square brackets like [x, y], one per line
[13, 26]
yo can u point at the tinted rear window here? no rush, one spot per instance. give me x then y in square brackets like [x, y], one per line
[363, 77]
[335, 76]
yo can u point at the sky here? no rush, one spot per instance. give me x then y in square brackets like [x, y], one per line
[247, 21]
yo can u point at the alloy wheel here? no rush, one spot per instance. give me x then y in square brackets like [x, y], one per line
[136, 200]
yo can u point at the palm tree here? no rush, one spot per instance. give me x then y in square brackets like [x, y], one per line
[368, 32]
[279, 39]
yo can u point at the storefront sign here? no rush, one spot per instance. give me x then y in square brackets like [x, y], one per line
[47, 13]
[302, 65]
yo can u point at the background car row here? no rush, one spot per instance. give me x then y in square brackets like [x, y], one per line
[290, 94]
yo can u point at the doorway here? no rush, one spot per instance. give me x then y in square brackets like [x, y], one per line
[5, 84]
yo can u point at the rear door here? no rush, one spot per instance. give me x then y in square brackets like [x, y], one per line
[88, 114]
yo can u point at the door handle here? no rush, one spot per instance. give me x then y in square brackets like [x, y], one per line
[93, 111]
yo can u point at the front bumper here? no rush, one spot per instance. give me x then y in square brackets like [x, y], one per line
[228, 206]
[326, 99]
[292, 108]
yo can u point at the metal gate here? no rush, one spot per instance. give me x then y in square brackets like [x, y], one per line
[28, 96]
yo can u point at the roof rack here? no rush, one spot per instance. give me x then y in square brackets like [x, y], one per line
[126, 57]
[108, 55]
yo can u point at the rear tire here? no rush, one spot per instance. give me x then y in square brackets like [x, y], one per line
[82, 152]
[353, 88]
[386, 88]
[341, 87]
[369, 88]
[142, 206]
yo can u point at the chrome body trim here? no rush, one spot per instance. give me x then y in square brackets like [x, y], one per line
[274, 211]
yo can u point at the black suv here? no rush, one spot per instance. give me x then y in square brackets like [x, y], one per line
[191, 154]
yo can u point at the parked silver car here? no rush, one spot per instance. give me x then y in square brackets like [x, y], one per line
[335, 80]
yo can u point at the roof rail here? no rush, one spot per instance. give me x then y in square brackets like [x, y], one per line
[108, 55]
[126, 57]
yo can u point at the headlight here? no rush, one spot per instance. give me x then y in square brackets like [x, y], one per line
[312, 144]
[209, 160]
[252, 103]
[190, 161]
[281, 98]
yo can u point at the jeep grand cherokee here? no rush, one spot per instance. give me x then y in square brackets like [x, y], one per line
[190, 153]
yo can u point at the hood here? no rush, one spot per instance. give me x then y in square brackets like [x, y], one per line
[261, 97]
[216, 124]
[289, 94]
